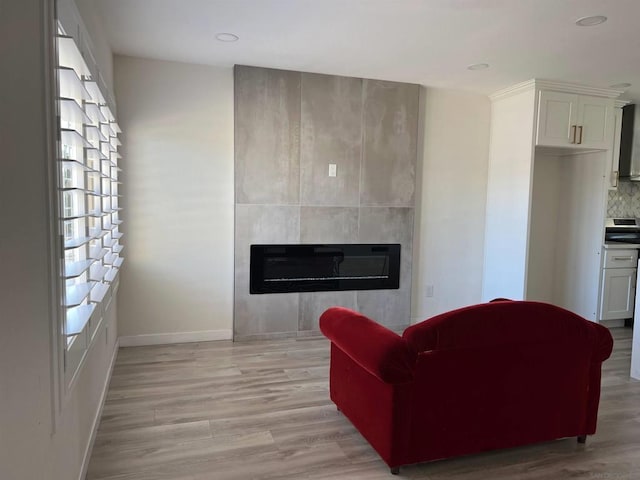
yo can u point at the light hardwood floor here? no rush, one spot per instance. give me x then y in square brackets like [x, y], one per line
[261, 410]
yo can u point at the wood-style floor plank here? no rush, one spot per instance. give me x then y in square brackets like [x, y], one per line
[261, 411]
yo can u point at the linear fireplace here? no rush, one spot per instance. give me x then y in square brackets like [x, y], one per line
[324, 267]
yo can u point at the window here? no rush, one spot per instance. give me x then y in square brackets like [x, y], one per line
[88, 207]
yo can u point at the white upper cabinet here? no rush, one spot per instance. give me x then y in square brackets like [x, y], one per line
[595, 122]
[574, 121]
[557, 114]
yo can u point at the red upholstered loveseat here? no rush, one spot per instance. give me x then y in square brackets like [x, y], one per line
[483, 377]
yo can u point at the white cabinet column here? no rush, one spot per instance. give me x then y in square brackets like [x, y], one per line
[508, 196]
[546, 198]
[635, 345]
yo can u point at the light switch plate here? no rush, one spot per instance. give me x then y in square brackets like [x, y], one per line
[333, 169]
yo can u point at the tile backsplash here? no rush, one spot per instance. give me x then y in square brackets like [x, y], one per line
[625, 201]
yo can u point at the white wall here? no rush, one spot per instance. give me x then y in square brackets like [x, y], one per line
[177, 280]
[25, 343]
[34, 446]
[543, 239]
[450, 215]
[508, 196]
[178, 186]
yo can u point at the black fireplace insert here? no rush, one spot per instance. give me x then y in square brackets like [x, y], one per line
[324, 267]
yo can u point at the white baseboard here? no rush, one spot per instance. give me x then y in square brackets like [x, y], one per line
[96, 420]
[177, 337]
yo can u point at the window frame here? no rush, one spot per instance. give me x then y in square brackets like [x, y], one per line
[83, 283]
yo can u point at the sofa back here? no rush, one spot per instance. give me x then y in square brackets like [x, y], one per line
[507, 323]
[503, 374]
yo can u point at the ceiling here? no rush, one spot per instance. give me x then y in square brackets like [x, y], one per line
[430, 42]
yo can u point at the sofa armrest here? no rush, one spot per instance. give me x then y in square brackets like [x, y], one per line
[602, 347]
[603, 343]
[375, 348]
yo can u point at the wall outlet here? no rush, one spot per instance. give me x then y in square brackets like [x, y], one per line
[429, 291]
[333, 169]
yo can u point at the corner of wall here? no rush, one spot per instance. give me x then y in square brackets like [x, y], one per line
[418, 251]
[453, 184]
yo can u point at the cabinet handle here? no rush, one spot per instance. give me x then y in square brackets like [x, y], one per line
[573, 134]
[623, 258]
[616, 175]
[580, 137]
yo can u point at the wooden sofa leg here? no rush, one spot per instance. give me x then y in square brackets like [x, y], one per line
[582, 439]
[395, 470]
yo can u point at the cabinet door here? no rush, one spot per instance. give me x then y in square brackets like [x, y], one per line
[614, 169]
[618, 293]
[557, 115]
[595, 122]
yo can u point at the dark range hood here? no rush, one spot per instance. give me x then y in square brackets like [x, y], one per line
[629, 167]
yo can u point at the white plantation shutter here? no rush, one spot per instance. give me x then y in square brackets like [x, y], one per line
[88, 201]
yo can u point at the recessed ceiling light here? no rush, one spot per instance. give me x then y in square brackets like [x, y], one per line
[227, 37]
[591, 21]
[478, 66]
[620, 85]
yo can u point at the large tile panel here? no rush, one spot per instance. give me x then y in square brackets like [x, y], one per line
[331, 133]
[272, 313]
[389, 225]
[312, 304]
[390, 124]
[267, 136]
[326, 225]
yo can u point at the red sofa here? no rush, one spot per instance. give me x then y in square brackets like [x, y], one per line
[484, 377]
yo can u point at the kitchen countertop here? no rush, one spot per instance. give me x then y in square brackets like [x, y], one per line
[621, 246]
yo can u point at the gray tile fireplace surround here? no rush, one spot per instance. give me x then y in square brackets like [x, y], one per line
[289, 126]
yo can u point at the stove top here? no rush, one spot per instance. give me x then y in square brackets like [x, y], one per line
[622, 230]
[622, 223]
